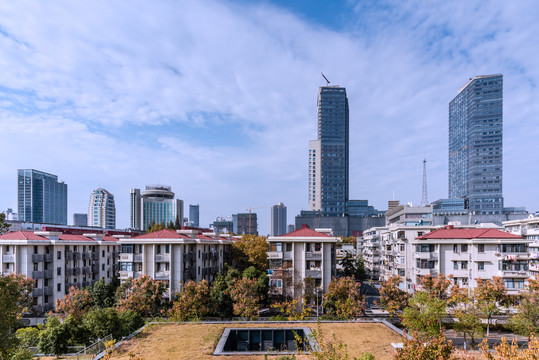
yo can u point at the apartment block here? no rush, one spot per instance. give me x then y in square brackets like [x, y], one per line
[529, 229]
[298, 255]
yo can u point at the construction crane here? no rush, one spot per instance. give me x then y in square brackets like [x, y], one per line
[253, 208]
[325, 78]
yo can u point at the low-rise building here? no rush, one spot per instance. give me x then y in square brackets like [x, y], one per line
[371, 251]
[298, 255]
[529, 229]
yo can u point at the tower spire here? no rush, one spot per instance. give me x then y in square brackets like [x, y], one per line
[424, 199]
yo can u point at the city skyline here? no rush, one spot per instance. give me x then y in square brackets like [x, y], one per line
[217, 100]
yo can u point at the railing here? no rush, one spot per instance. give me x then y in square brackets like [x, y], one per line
[95, 256]
[37, 257]
[126, 274]
[47, 274]
[8, 258]
[189, 257]
[37, 292]
[47, 290]
[86, 270]
[92, 350]
[37, 275]
[137, 258]
[69, 255]
[275, 254]
[86, 256]
[162, 275]
[313, 255]
[314, 273]
[126, 257]
[162, 257]
[95, 268]
[47, 257]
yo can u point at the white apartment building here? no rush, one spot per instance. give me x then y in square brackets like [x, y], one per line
[102, 209]
[174, 256]
[371, 251]
[56, 261]
[298, 255]
[529, 229]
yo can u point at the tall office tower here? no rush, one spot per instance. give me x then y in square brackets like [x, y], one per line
[475, 144]
[41, 197]
[135, 210]
[328, 155]
[278, 220]
[194, 214]
[102, 210]
[80, 219]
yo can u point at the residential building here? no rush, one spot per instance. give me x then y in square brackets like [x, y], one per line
[278, 220]
[80, 219]
[529, 229]
[157, 205]
[194, 215]
[328, 155]
[245, 223]
[174, 256]
[409, 215]
[290, 228]
[370, 246]
[41, 197]
[57, 261]
[476, 144]
[300, 254]
[10, 215]
[221, 225]
[102, 209]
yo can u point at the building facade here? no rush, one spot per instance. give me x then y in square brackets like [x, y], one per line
[245, 223]
[194, 213]
[80, 219]
[102, 209]
[174, 256]
[300, 254]
[476, 144]
[41, 197]
[57, 261]
[328, 155]
[278, 220]
[529, 229]
[135, 209]
[157, 206]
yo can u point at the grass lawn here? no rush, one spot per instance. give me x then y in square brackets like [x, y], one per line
[197, 341]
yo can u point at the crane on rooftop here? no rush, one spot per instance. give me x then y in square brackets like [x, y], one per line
[325, 78]
[250, 209]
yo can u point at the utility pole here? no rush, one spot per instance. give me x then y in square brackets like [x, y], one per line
[424, 199]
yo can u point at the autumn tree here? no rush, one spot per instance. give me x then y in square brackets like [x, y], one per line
[293, 309]
[15, 299]
[424, 313]
[245, 297]
[309, 290]
[153, 227]
[437, 286]
[353, 267]
[468, 320]
[142, 295]
[193, 302]
[392, 298]
[4, 226]
[250, 250]
[506, 351]
[76, 302]
[434, 347]
[526, 320]
[490, 295]
[342, 299]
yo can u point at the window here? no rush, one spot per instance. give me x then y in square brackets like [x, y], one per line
[35, 266]
[288, 246]
[102, 267]
[159, 249]
[464, 281]
[464, 265]
[402, 247]
[455, 248]
[140, 249]
[102, 253]
[46, 301]
[59, 287]
[7, 248]
[481, 265]
[167, 249]
[59, 255]
[464, 247]
[481, 248]
[35, 249]
[126, 266]
[456, 265]
[58, 271]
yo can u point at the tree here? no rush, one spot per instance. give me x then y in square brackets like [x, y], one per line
[177, 224]
[423, 347]
[392, 298]
[354, 267]
[4, 226]
[424, 314]
[245, 297]
[250, 250]
[99, 323]
[28, 336]
[505, 351]
[262, 282]
[309, 290]
[220, 299]
[343, 300]
[193, 302]
[142, 295]
[15, 299]
[76, 302]
[103, 293]
[293, 309]
[437, 286]
[55, 338]
[526, 320]
[490, 295]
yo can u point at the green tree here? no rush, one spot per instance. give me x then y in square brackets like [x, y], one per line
[354, 267]
[490, 295]
[15, 299]
[220, 298]
[55, 338]
[4, 226]
[193, 302]
[250, 250]
[28, 336]
[262, 282]
[424, 314]
[392, 298]
[309, 290]
[342, 299]
[103, 293]
[526, 320]
[170, 225]
[143, 295]
[99, 323]
[177, 224]
[245, 297]
[76, 303]
[130, 321]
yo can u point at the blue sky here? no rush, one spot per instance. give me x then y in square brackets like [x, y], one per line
[218, 98]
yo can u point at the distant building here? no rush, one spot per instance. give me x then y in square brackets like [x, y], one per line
[157, 205]
[341, 225]
[407, 215]
[102, 209]
[41, 197]
[194, 215]
[529, 229]
[10, 215]
[278, 220]
[80, 219]
[221, 225]
[245, 223]
[290, 228]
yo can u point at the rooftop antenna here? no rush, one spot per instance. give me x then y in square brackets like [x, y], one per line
[325, 78]
[424, 199]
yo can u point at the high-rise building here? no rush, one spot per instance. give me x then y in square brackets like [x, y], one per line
[157, 205]
[328, 155]
[245, 223]
[476, 144]
[102, 210]
[80, 219]
[194, 214]
[41, 197]
[278, 220]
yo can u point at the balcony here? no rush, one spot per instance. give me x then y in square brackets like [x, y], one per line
[162, 257]
[314, 273]
[37, 258]
[69, 255]
[86, 256]
[37, 292]
[126, 274]
[288, 255]
[47, 274]
[137, 258]
[86, 283]
[47, 258]
[37, 275]
[77, 256]
[313, 255]
[95, 268]
[426, 255]
[275, 255]
[95, 256]
[126, 257]
[189, 257]
[423, 272]
[8, 258]
[514, 273]
[86, 270]
[47, 290]
[77, 271]
[162, 275]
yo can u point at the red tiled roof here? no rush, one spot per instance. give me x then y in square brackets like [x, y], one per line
[109, 238]
[305, 232]
[450, 233]
[161, 234]
[71, 237]
[22, 235]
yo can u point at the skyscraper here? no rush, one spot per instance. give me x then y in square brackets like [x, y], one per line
[476, 144]
[194, 214]
[155, 205]
[135, 212]
[102, 209]
[328, 155]
[278, 220]
[41, 197]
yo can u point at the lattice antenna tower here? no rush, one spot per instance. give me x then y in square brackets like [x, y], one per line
[424, 198]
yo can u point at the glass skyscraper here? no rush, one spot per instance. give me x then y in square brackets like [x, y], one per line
[476, 144]
[156, 205]
[328, 155]
[278, 220]
[194, 215]
[41, 197]
[102, 209]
